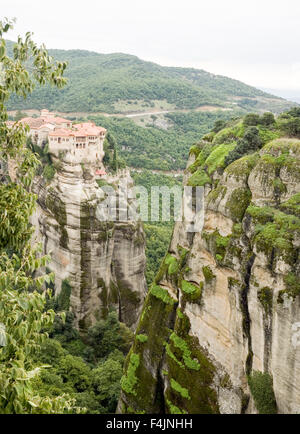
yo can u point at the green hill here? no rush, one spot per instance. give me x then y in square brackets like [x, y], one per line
[119, 83]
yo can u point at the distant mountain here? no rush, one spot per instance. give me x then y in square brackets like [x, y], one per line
[291, 95]
[119, 83]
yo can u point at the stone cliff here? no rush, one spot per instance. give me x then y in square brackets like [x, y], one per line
[219, 327]
[103, 261]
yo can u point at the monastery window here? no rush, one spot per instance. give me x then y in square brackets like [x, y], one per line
[77, 145]
[84, 146]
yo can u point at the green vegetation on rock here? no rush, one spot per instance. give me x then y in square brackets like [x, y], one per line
[208, 274]
[162, 294]
[191, 291]
[265, 296]
[142, 338]
[261, 386]
[129, 380]
[181, 390]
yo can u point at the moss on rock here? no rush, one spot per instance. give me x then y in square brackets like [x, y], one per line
[265, 296]
[238, 203]
[261, 386]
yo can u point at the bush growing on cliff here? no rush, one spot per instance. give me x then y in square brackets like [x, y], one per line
[251, 142]
[251, 120]
[261, 386]
[49, 172]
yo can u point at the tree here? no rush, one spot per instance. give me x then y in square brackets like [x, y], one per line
[290, 126]
[267, 119]
[106, 381]
[219, 125]
[249, 143]
[251, 120]
[22, 299]
[107, 335]
[115, 161]
[294, 112]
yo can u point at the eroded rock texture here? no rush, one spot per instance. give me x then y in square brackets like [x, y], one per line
[103, 261]
[224, 311]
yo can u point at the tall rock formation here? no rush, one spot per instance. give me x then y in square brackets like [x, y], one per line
[219, 331]
[103, 261]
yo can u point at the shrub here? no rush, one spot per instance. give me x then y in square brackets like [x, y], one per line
[73, 369]
[162, 294]
[49, 172]
[251, 120]
[251, 142]
[267, 119]
[261, 386]
[192, 291]
[199, 178]
[142, 338]
[265, 296]
[63, 299]
[208, 274]
[107, 335]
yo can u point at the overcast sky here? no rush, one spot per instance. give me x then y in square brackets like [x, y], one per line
[256, 41]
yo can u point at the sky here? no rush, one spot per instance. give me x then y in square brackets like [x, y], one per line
[255, 41]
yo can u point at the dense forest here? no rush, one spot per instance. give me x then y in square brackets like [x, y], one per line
[99, 82]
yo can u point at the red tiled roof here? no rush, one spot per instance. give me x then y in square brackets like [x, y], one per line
[62, 132]
[56, 120]
[32, 122]
[100, 172]
[88, 129]
[37, 122]
[84, 129]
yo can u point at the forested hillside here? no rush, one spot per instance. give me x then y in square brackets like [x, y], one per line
[156, 148]
[117, 82]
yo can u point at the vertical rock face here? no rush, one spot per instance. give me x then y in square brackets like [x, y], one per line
[219, 331]
[103, 261]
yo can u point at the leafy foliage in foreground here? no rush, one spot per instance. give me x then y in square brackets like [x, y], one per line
[22, 314]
